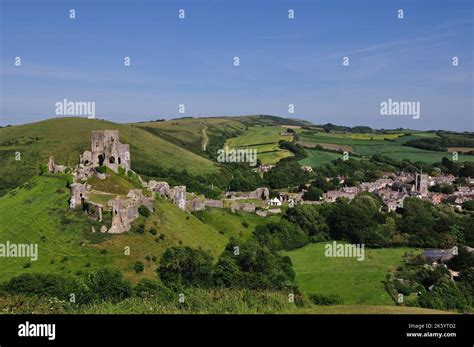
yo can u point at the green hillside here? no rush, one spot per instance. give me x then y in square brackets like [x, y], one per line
[67, 138]
[38, 213]
[206, 135]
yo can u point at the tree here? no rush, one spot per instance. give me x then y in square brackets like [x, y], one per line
[308, 218]
[185, 266]
[139, 267]
[313, 194]
[109, 285]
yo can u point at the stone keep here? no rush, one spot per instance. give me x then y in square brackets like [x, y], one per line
[107, 150]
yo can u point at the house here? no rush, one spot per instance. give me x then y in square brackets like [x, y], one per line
[435, 255]
[274, 202]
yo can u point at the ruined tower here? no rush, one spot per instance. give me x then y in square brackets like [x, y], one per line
[108, 151]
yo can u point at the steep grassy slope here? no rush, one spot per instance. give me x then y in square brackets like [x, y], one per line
[356, 282]
[67, 138]
[38, 213]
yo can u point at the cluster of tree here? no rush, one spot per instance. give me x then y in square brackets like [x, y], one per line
[243, 179]
[329, 127]
[249, 265]
[429, 144]
[433, 285]
[442, 188]
[297, 150]
[442, 142]
[287, 173]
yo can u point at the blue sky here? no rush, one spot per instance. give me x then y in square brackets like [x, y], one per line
[282, 61]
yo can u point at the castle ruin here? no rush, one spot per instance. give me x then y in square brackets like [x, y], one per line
[107, 150]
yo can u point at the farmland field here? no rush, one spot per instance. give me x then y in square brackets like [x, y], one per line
[318, 158]
[264, 140]
[368, 145]
[356, 282]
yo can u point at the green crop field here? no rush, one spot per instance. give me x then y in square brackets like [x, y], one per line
[356, 282]
[264, 140]
[370, 144]
[38, 213]
[317, 158]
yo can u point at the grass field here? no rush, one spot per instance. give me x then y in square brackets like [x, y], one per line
[318, 158]
[39, 213]
[67, 138]
[367, 145]
[265, 141]
[356, 282]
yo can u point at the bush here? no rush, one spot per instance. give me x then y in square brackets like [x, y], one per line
[148, 288]
[101, 169]
[446, 295]
[139, 267]
[325, 300]
[109, 285]
[49, 285]
[143, 211]
[185, 266]
[140, 228]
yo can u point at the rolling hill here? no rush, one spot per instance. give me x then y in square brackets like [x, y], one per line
[67, 138]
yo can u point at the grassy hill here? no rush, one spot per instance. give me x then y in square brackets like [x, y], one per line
[206, 135]
[67, 138]
[356, 282]
[38, 213]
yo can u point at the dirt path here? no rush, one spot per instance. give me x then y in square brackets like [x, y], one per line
[205, 139]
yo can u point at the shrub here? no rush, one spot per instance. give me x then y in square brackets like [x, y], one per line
[101, 169]
[140, 228]
[148, 288]
[139, 267]
[143, 211]
[109, 285]
[185, 266]
[325, 300]
[49, 285]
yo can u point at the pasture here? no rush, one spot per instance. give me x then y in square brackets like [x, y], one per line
[356, 282]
